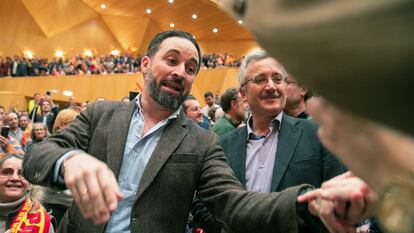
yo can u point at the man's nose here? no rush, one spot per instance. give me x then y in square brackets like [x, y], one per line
[179, 71]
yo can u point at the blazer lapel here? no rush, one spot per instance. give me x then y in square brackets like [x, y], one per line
[172, 137]
[289, 135]
[237, 154]
[117, 136]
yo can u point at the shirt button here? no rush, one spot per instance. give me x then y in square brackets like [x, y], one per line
[261, 166]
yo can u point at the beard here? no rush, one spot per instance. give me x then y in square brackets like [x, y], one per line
[165, 99]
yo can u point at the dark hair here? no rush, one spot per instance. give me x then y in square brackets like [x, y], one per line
[185, 107]
[160, 37]
[226, 98]
[208, 93]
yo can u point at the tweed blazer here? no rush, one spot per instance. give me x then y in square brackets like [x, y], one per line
[179, 166]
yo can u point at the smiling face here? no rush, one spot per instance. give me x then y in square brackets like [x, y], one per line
[12, 184]
[193, 110]
[266, 99]
[169, 74]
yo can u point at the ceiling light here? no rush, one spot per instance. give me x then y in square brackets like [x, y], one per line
[240, 22]
[194, 16]
[87, 53]
[215, 30]
[115, 52]
[171, 1]
[148, 11]
[103, 6]
[59, 53]
[172, 25]
[67, 93]
[28, 54]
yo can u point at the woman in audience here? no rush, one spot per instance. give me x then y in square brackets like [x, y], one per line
[38, 133]
[58, 201]
[19, 212]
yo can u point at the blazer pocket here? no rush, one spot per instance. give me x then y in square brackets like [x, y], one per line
[181, 158]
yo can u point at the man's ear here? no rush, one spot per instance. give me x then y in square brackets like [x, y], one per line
[145, 64]
[303, 91]
[243, 93]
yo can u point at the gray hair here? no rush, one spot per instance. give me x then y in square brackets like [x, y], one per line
[252, 57]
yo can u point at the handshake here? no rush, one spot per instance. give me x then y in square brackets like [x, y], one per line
[341, 202]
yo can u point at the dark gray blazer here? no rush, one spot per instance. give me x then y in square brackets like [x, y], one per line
[300, 157]
[179, 166]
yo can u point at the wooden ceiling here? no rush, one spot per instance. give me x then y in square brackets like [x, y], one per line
[43, 26]
[180, 13]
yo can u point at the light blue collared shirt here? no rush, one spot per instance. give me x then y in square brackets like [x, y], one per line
[260, 156]
[137, 153]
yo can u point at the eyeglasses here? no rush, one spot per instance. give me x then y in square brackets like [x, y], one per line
[262, 80]
[9, 172]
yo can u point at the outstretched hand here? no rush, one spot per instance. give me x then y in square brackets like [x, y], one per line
[341, 202]
[93, 186]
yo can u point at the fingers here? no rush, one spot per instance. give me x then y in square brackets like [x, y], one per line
[356, 208]
[99, 211]
[93, 186]
[309, 196]
[326, 212]
[110, 190]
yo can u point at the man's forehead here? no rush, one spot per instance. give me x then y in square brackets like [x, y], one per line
[267, 65]
[177, 44]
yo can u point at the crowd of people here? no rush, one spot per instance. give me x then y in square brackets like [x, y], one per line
[21, 66]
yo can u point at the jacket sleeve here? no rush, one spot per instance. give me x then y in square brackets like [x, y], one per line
[39, 161]
[240, 210]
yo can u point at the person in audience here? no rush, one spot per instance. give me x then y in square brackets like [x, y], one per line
[38, 133]
[24, 122]
[192, 109]
[26, 126]
[34, 103]
[48, 114]
[72, 102]
[209, 98]
[19, 211]
[235, 109]
[11, 119]
[159, 157]
[296, 96]
[273, 151]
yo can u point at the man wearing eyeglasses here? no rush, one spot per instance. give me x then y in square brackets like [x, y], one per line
[274, 151]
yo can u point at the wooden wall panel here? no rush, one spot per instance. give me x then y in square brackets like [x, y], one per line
[112, 87]
[93, 34]
[129, 31]
[237, 48]
[17, 28]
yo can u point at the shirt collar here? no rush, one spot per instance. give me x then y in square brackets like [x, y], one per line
[276, 121]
